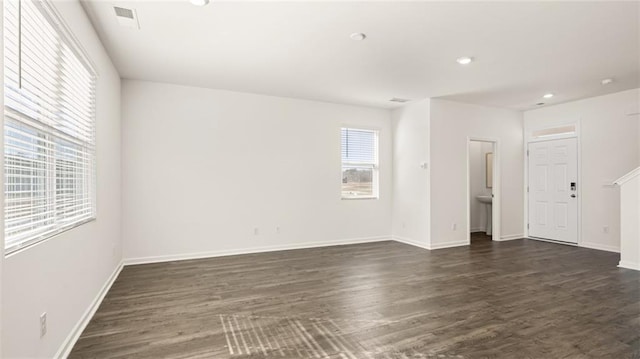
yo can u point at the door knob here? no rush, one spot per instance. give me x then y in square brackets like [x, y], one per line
[573, 196]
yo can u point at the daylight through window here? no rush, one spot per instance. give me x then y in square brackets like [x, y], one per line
[359, 163]
[49, 129]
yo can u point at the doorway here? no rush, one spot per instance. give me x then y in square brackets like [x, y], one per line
[553, 190]
[483, 189]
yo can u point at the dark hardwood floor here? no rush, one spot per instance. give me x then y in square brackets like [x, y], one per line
[515, 299]
[480, 237]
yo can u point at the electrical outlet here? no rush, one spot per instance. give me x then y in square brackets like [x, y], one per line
[255, 231]
[43, 324]
[454, 226]
[278, 229]
[404, 225]
[605, 229]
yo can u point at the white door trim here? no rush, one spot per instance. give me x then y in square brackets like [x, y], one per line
[496, 189]
[530, 139]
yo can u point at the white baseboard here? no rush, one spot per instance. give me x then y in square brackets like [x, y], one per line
[72, 338]
[478, 229]
[601, 247]
[410, 242]
[430, 246]
[629, 265]
[448, 245]
[233, 252]
[510, 237]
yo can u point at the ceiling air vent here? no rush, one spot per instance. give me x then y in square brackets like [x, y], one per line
[127, 17]
[399, 100]
[122, 12]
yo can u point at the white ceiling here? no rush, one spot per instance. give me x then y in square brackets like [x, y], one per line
[302, 49]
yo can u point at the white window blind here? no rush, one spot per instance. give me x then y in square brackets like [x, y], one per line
[49, 130]
[359, 163]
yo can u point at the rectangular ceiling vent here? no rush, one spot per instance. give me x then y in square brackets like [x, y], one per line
[399, 100]
[122, 12]
[126, 17]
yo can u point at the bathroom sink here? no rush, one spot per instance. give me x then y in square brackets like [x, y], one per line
[484, 199]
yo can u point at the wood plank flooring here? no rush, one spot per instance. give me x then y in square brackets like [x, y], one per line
[515, 299]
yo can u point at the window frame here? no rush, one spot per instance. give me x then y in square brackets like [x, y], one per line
[53, 137]
[375, 167]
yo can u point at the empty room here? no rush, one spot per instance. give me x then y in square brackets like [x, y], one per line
[320, 179]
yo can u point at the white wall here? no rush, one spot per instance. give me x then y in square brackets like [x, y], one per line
[609, 141]
[411, 190]
[63, 275]
[478, 184]
[204, 167]
[452, 123]
[630, 221]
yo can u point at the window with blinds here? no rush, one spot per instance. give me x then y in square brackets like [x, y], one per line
[359, 163]
[49, 129]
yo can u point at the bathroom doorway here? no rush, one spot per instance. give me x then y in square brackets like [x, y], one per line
[483, 190]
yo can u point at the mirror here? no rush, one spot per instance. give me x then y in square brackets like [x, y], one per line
[489, 170]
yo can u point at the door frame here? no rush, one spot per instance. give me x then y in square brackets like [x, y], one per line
[530, 139]
[496, 207]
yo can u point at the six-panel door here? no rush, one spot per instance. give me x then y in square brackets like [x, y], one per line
[553, 202]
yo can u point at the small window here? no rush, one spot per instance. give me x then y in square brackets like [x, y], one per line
[49, 127]
[359, 163]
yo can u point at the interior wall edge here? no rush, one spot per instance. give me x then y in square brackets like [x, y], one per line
[410, 242]
[443, 245]
[411, 190]
[629, 265]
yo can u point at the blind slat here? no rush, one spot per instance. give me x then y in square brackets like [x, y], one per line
[359, 146]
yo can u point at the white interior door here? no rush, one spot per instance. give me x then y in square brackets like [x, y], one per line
[553, 181]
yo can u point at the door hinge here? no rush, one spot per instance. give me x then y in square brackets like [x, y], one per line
[527, 188]
[527, 153]
[527, 225]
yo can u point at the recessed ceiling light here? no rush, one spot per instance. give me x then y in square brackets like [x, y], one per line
[199, 2]
[465, 60]
[548, 95]
[607, 81]
[358, 36]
